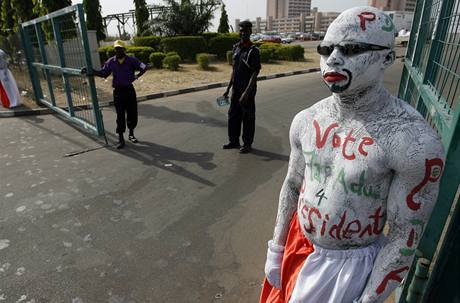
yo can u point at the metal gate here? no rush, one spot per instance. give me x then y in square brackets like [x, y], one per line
[431, 83]
[57, 47]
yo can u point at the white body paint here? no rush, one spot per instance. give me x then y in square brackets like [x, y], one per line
[387, 171]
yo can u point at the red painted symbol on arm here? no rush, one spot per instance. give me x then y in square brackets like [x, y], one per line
[410, 241]
[392, 275]
[429, 166]
[365, 16]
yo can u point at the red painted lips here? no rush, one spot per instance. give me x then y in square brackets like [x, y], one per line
[334, 77]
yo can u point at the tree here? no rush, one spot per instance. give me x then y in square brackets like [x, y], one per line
[94, 18]
[186, 17]
[8, 22]
[223, 23]
[24, 10]
[142, 17]
[53, 5]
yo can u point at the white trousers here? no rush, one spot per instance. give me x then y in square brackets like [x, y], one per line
[334, 276]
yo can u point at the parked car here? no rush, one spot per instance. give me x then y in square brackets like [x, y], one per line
[287, 39]
[305, 36]
[255, 37]
[271, 38]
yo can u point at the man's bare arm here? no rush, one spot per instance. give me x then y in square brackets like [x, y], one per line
[289, 194]
[414, 189]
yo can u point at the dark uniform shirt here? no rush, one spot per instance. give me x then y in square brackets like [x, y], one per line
[246, 61]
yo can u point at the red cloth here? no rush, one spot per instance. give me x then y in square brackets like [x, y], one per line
[296, 251]
[4, 96]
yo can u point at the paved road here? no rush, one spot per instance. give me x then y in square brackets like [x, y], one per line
[172, 219]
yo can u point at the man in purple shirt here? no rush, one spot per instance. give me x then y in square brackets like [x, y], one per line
[122, 67]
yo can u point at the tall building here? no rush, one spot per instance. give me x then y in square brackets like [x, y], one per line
[279, 9]
[394, 5]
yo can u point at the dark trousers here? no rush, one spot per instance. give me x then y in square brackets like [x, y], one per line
[126, 105]
[245, 113]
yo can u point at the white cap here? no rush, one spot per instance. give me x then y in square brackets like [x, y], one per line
[362, 24]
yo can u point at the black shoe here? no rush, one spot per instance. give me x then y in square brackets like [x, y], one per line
[121, 141]
[245, 149]
[121, 144]
[231, 145]
[132, 139]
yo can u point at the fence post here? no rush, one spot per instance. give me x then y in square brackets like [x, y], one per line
[90, 74]
[65, 78]
[28, 52]
[41, 45]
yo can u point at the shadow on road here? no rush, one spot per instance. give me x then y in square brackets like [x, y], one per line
[269, 156]
[164, 113]
[160, 156]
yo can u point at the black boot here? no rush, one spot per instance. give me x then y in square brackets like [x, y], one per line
[121, 141]
[131, 136]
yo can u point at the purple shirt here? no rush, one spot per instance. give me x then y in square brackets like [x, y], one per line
[123, 74]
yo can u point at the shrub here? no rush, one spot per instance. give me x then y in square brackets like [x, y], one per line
[157, 59]
[208, 36]
[230, 57]
[172, 62]
[172, 54]
[221, 44]
[291, 53]
[204, 60]
[103, 53]
[151, 41]
[140, 52]
[110, 52]
[273, 49]
[186, 46]
[265, 55]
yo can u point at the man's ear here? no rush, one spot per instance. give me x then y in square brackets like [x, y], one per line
[389, 59]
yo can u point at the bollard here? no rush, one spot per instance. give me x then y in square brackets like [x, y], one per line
[417, 286]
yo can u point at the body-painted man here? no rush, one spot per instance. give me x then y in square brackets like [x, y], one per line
[9, 92]
[359, 159]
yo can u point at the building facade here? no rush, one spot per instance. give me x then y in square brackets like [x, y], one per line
[393, 5]
[282, 9]
[313, 22]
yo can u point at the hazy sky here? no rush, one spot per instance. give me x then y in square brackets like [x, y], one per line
[242, 9]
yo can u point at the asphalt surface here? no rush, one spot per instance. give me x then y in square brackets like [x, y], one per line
[172, 219]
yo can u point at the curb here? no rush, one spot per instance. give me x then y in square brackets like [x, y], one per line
[44, 111]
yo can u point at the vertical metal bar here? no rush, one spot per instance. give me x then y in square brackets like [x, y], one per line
[414, 30]
[440, 35]
[28, 51]
[422, 32]
[89, 64]
[41, 45]
[418, 283]
[65, 78]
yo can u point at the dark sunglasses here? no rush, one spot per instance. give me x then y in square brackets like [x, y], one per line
[348, 48]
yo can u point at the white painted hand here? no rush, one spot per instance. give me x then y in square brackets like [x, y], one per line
[273, 264]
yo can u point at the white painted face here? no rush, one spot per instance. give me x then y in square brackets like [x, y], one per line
[355, 73]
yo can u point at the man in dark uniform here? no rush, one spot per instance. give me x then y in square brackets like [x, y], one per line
[123, 67]
[246, 67]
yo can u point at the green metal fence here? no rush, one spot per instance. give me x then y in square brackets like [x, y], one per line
[431, 83]
[57, 47]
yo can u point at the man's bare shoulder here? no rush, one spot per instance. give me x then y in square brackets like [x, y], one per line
[321, 107]
[411, 137]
